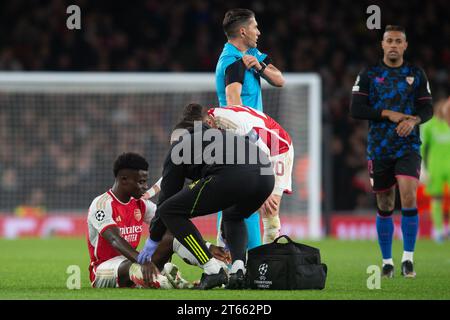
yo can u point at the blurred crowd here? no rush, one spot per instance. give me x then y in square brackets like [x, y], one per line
[328, 37]
[57, 150]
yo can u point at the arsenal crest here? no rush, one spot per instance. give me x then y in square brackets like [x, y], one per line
[137, 214]
[410, 80]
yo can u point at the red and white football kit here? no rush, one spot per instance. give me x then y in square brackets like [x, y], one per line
[107, 211]
[272, 139]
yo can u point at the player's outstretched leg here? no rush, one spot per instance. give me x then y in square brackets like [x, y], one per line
[173, 274]
[137, 277]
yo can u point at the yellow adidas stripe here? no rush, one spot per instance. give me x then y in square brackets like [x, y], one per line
[199, 248]
[198, 254]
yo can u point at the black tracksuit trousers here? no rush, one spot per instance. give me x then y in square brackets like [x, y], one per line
[237, 190]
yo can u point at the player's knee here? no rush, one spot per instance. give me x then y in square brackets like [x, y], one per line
[386, 204]
[385, 213]
[386, 200]
[409, 200]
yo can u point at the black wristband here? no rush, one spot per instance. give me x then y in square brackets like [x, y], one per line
[264, 66]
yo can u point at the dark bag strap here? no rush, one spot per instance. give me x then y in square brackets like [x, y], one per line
[283, 236]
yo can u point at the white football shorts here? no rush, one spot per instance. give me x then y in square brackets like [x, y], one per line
[282, 165]
[106, 273]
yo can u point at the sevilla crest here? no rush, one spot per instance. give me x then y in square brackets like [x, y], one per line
[410, 80]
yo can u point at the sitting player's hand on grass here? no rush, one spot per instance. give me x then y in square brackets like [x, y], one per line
[220, 254]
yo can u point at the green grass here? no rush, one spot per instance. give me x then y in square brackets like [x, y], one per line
[36, 269]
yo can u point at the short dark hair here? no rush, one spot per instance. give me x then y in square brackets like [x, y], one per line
[391, 27]
[194, 112]
[234, 19]
[130, 160]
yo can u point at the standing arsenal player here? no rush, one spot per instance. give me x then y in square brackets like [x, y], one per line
[268, 135]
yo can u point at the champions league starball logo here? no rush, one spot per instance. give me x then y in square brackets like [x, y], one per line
[263, 269]
[100, 215]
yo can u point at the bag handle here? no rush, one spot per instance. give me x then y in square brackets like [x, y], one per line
[283, 236]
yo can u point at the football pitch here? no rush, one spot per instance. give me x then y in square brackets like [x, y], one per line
[37, 269]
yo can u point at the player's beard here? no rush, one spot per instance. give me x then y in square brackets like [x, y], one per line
[393, 58]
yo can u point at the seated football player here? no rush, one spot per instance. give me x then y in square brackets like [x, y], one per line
[115, 224]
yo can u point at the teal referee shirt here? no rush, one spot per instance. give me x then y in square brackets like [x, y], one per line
[230, 68]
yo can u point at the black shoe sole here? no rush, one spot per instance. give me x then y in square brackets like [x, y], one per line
[212, 281]
[236, 282]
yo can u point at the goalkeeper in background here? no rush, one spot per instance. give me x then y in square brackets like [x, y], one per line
[436, 155]
[238, 80]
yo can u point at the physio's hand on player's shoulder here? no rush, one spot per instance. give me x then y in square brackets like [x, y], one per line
[220, 253]
[405, 127]
[251, 62]
[149, 271]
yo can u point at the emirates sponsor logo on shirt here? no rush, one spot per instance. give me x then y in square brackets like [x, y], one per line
[137, 214]
[130, 230]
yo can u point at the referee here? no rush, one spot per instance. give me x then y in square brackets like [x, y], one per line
[238, 78]
[395, 97]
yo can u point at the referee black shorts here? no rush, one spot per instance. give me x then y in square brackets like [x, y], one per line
[384, 172]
